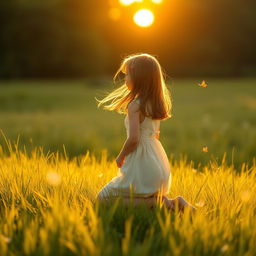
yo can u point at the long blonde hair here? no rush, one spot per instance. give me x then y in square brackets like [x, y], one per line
[147, 84]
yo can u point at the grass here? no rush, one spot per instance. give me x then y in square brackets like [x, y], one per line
[57, 151]
[56, 113]
[48, 207]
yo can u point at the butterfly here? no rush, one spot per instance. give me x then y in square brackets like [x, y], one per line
[203, 84]
[205, 149]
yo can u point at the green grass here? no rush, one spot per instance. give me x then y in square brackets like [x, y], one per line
[50, 114]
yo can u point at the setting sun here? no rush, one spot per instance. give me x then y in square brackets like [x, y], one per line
[143, 18]
[129, 2]
[157, 1]
[126, 2]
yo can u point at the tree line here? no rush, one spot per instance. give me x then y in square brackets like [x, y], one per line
[76, 38]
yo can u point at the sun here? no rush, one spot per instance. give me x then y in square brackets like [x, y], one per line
[144, 18]
[127, 2]
[157, 1]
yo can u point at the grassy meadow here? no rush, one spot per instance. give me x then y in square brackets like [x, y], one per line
[57, 150]
[48, 207]
[52, 114]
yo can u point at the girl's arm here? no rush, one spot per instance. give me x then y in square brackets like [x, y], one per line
[134, 132]
[127, 148]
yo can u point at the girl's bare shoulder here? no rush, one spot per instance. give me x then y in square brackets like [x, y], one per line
[136, 101]
[133, 105]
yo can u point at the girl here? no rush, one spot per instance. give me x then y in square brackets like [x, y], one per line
[144, 170]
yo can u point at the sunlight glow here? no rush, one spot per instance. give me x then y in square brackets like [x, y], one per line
[53, 178]
[114, 13]
[201, 203]
[143, 18]
[157, 1]
[126, 2]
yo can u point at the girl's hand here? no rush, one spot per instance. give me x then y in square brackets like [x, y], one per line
[120, 161]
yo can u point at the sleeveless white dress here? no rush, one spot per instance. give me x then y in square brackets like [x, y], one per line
[146, 170]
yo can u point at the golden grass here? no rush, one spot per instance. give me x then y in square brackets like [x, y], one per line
[48, 207]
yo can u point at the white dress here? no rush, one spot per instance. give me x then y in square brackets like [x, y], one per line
[146, 170]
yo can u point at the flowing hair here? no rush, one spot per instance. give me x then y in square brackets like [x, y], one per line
[148, 85]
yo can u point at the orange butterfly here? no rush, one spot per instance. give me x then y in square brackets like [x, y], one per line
[205, 149]
[203, 84]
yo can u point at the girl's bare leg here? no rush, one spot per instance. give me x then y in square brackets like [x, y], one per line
[149, 201]
[152, 202]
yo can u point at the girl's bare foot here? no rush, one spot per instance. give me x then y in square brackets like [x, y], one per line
[169, 203]
[182, 204]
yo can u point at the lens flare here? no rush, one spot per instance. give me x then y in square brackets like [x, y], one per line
[157, 1]
[53, 178]
[143, 18]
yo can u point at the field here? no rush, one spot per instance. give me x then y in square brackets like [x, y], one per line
[51, 173]
[48, 208]
[50, 114]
